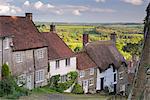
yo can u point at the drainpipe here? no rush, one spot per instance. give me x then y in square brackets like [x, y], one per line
[34, 67]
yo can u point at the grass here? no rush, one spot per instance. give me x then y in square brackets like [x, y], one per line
[45, 89]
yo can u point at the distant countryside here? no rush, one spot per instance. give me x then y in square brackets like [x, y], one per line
[129, 35]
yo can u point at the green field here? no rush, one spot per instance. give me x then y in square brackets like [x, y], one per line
[72, 35]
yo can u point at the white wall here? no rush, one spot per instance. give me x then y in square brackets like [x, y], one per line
[108, 78]
[63, 69]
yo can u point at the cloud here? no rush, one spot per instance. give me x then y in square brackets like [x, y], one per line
[134, 2]
[27, 3]
[50, 6]
[76, 12]
[100, 0]
[7, 8]
[98, 10]
[38, 4]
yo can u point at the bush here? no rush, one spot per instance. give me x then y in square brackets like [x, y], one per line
[8, 86]
[5, 71]
[60, 87]
[77, 89]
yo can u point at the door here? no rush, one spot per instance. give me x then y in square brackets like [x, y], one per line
[85, 86]
[102, 83]
[115, 87]
[29, 82]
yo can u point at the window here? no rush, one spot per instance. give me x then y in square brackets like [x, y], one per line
[122, 88]
[114, 69]
[21, 80]
[39, 76]
[91, 82]
[57, 64]
[6, 43]
[19, 57]
[115, 77]
[82, 74]
[121, 75]
[68, 62]
[40, 54]
[63, 78]
[91, 71]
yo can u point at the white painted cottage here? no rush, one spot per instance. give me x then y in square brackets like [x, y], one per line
[61, 58]
[110, 66]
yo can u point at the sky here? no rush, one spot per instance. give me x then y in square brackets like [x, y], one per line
[89, 11]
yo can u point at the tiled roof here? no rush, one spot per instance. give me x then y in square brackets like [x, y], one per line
[57, 49]
[23, 31]
[84, 61]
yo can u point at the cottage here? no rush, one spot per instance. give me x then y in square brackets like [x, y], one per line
[61, 58]
[111, 70]
[23, 49]
[87, 72]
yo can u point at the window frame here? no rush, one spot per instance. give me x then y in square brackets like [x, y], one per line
[91, 71]
[121, 75]
[91, 83]
[6, 43]
[18, 57]
[39, 76]
[82, 74]
[40, 54]
[57, 64]
[67, 62]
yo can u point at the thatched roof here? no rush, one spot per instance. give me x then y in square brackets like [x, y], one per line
[104, 53]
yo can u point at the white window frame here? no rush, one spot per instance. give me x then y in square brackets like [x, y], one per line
[6, 43]
[21, 80]
[67, 61]
[18, 57]
[91, 71]
[57, 65]
[39, 76]
[91, 83]
[40, 54]
[121, 75]
[82, 74]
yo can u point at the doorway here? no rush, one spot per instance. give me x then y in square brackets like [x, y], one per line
[102, 83]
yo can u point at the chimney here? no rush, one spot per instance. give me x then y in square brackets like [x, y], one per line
[28, 16]
[52, 28]
[113, 37]
[85, 39]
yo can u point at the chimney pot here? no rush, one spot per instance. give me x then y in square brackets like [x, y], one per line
[52, 28]
[85, 38]
[28, 15]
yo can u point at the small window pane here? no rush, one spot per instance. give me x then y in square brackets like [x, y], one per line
[57, 64]
[68, 62]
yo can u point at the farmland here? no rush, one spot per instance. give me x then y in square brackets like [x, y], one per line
[128, 35]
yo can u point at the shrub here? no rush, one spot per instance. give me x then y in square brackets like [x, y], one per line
[77, 89]
[5, 71]
[54, 81]
[8, 86]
